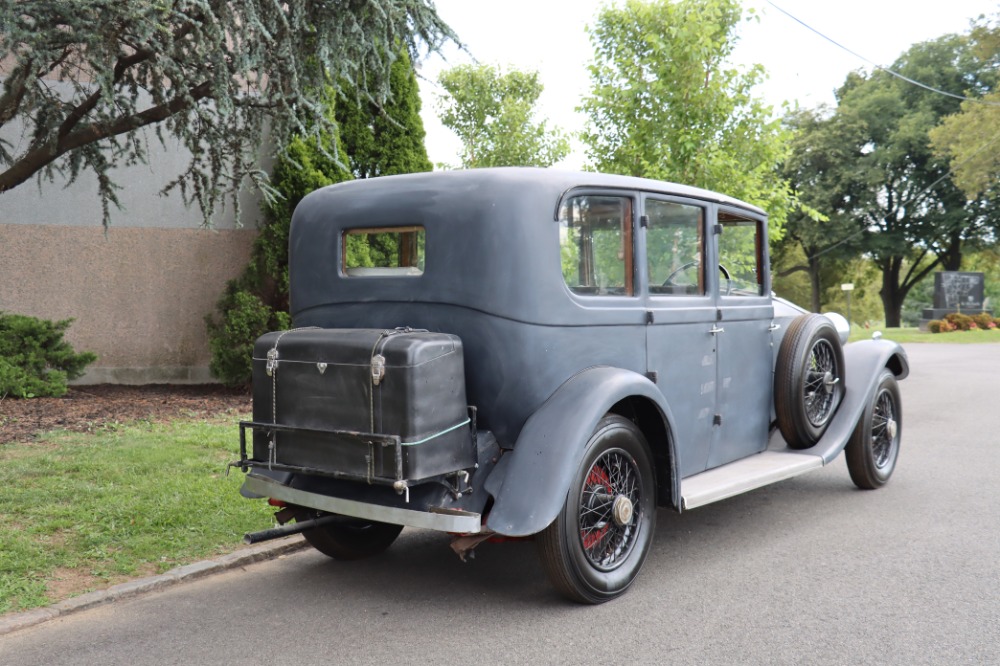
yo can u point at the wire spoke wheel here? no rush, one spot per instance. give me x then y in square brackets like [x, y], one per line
[874, 446]
[608, 522]
[808, 379]
[818, 389]
[595, 547]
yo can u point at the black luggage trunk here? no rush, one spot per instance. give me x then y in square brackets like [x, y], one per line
[366, 404]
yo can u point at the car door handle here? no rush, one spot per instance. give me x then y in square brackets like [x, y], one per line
[717, 329]
[774, 327]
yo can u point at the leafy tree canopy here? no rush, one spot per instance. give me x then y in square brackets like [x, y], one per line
[971, 138]
[819, 168]
[212, 74]
[664, 102]
[909, 214]
[493, 114]
[386, 139]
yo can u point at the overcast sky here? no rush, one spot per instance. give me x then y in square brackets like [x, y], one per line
[549, 36]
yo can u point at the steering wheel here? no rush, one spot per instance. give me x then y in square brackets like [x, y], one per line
[669, 282]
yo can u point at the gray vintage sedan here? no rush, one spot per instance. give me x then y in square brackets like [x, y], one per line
[530, 353]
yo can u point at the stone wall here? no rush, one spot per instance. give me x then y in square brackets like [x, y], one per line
[140, 291]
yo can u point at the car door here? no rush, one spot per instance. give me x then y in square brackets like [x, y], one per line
[680, 315]
[744, 338]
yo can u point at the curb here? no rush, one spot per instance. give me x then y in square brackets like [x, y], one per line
[134, 588]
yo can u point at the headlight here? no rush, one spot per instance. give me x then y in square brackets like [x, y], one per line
[841, 324]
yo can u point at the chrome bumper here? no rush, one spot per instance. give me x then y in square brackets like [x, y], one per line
[443, 520]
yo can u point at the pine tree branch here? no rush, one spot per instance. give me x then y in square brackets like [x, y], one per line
[45, 154]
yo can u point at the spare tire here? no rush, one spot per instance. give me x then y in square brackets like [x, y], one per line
[808, 379]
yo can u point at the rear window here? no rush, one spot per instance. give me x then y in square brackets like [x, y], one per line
[384, 252]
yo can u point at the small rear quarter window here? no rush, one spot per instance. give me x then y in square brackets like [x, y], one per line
[384, 252]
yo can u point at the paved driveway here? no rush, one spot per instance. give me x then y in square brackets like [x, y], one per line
[810, 571]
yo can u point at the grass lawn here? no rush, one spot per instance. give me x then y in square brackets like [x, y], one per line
[80, 512]
[904, 335]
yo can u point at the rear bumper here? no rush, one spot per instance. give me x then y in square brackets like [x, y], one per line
[441, 519]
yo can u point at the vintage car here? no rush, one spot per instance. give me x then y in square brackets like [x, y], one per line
[530, 353]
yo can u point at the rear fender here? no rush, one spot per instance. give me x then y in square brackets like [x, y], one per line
[530, 483]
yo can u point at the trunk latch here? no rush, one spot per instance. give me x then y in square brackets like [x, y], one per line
[378, 368]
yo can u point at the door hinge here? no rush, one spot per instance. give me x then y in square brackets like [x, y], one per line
[717, 229]
[717, 420]
[644, 221]
[649, 316]
[652, 376]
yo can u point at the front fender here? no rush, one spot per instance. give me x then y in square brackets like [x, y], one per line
[529, 484]
[863, 362]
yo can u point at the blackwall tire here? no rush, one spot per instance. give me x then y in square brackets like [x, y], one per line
[594, 549]
[808, 379]
[874, 447]
[354, 539]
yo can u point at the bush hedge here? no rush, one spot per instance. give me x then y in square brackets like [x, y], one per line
[35, 361]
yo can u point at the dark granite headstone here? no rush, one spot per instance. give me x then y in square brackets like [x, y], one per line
[957, 291]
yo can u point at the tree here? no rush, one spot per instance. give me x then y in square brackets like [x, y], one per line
[386, 139]
[382, 140]
[664, 103]
[971, 138]
[370, 140]
[493, 114]
[823, 149]
[257, 301]
[84, 76]
[910, 216]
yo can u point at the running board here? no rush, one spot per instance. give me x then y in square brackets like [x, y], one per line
[743, 475]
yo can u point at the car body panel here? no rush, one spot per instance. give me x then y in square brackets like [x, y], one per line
[544, 363]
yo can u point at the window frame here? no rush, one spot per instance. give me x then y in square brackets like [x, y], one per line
[412, 270]
[631, 249]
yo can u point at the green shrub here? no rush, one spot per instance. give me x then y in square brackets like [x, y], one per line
[35, 361]
[982, 320]
[938, 326]
[244, 318]
[961, 322]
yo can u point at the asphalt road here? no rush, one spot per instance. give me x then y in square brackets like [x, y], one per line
[809, 571]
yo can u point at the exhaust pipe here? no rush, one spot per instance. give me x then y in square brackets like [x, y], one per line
[290, 528]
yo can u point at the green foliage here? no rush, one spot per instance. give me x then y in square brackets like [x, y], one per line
[378, 140]
[245, 318]
[884, 181]
[389, 139]
[822, 146]
[663, 103]
[493, 114]
[117, 504]
[970, 139]
[959, 321]
[35, 361]
[982, 320]
[216, 76]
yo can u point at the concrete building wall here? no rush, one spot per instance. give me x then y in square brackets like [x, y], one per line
[139, 292]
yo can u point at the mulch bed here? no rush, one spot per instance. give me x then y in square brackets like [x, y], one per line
[88, 408]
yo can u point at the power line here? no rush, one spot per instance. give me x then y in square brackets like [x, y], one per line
[877, 66]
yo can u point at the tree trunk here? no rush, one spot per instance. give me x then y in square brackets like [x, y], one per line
[951, 259]
[891, 293]
[814, 282]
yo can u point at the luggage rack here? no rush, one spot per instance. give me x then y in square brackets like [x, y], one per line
[399, 483]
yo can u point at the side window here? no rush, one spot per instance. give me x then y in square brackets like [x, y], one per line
[384, 252]
[740, 256]
[595, 234]
[675, 248]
